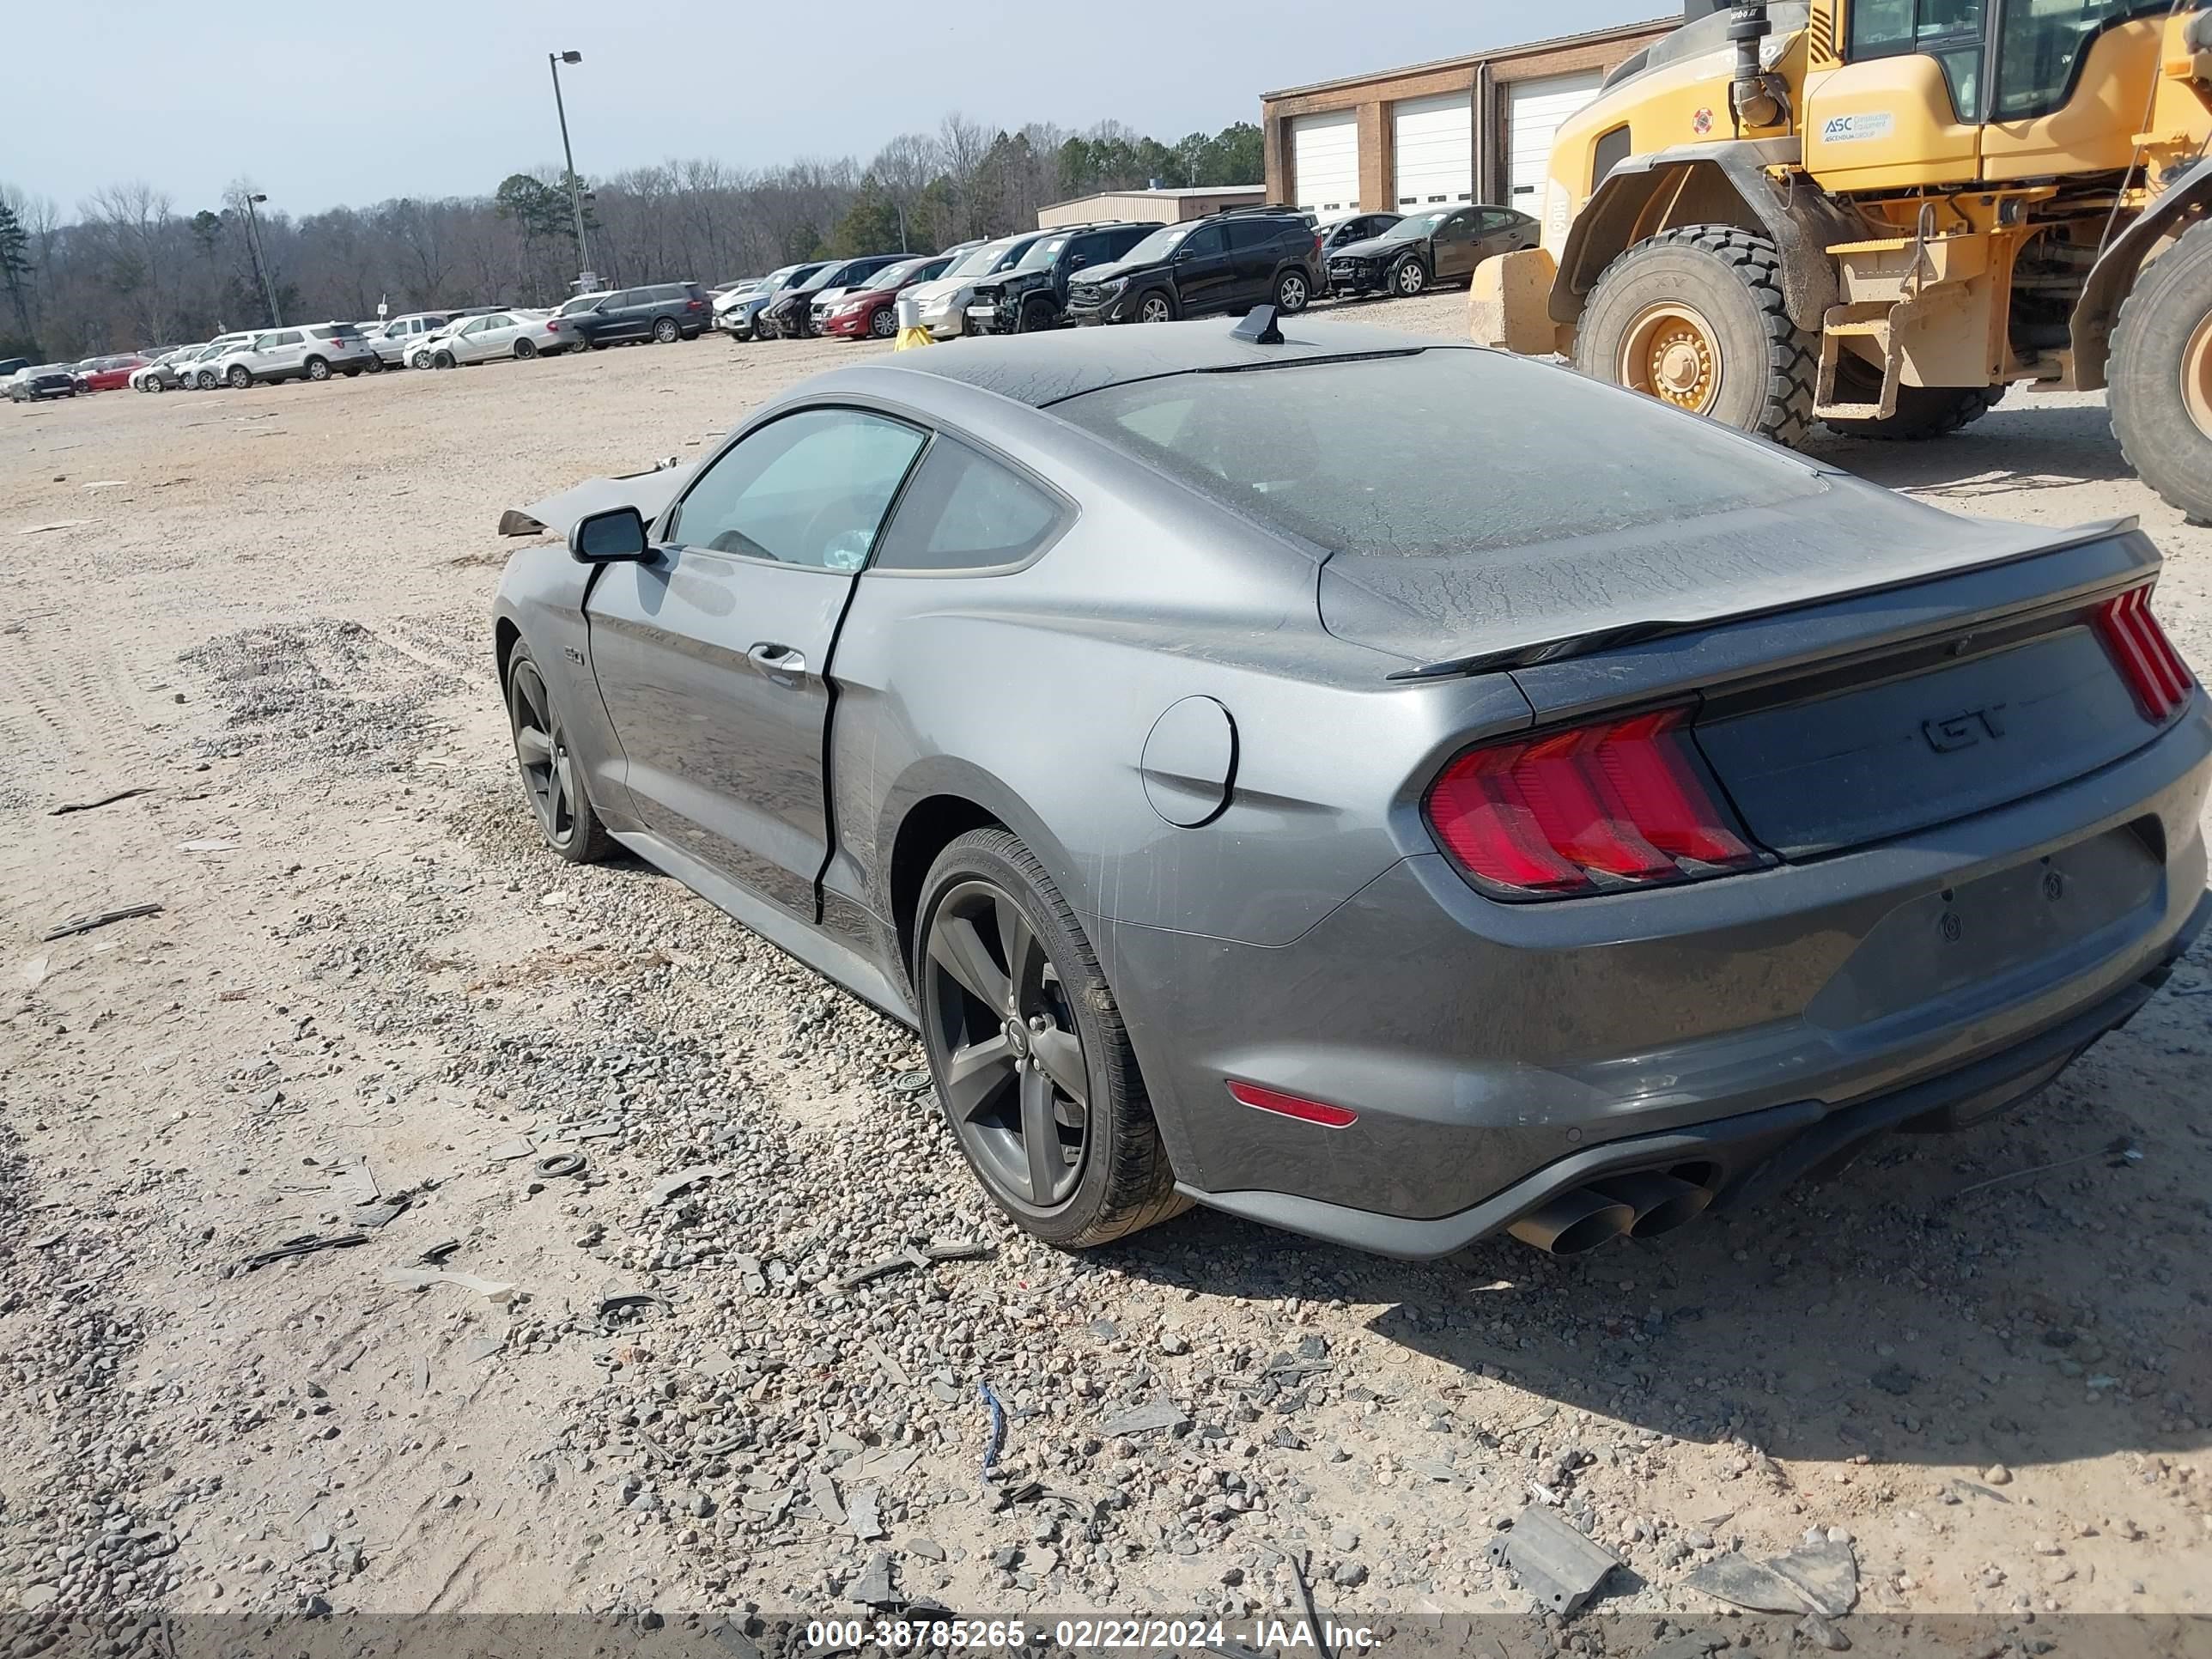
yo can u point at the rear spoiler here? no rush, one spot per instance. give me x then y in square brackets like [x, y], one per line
[1589, 643]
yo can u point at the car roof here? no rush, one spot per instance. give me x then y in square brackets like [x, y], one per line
[1042, 369]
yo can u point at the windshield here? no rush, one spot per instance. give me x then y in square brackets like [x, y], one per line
[1158, 245]
[983, 261]
[2043, 44]
[1357, 456]
[1042, 254]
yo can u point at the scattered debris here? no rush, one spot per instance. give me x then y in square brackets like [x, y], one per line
[105, 800]
[557, 1165]
[209, 846]
[623, 1301]
[924, 1257]
[58, 524]
[872, 1588]
[86, 924]
[374, 1216]
[888, 1366]
[421, 1278]
[822, 1492]
[1145, 1419]
[436, 1254]
[669, 1187]
[305, 1244]
[997, 1441]
[748, 1269]
[1736, 1578]
[1826, 1574]
[860, 1513]
[508, 1151]
[1306, 1603]
[2121, 1151]
[108, 484]
[1553, 1562]
[911, 1082]
[1822, 1633]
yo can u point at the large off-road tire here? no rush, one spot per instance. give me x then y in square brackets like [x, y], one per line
[1922, 412]
[2161, 374]
[1694, 317]
[552, 776]
[1033, 1065]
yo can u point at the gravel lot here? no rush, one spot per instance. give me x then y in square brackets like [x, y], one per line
[366, 981]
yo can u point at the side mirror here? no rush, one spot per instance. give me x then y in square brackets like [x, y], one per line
[1076, 261]
[609, 537]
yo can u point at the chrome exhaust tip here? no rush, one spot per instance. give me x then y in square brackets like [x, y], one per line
[1573, 1222]
[1662, 1202]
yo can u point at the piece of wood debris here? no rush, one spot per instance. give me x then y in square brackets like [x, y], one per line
[86, 924]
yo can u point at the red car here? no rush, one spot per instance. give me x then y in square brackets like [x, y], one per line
[867, 313]
[107, 374]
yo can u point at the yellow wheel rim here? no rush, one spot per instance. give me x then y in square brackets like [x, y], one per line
[1669, 354]
[2197, 376]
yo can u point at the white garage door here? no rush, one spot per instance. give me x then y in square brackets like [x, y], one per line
[1325, 161]
[1435, 152]
[1538, 109]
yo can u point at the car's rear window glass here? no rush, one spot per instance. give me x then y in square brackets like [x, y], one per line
[965, 512]
[1434, 452]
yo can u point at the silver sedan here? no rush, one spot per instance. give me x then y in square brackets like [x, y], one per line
[502, 334]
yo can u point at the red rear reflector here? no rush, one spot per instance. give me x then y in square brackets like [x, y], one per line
[1624, 803]
[2146, 660]
[1306, 1111]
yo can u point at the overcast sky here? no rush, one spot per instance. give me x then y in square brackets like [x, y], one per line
[324, 105]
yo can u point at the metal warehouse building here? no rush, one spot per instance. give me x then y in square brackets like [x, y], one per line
[1468, 129]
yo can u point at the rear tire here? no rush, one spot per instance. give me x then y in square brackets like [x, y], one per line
[665, 330]
[1293, 293]
[316, 369]
[526, 349]
[1700, 310]
[2161, 374]
[1125, 1183]
[1922, 412]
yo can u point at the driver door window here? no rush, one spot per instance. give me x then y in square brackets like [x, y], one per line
[810, 490]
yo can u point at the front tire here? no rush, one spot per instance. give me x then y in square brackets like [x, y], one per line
[2162, 375]
[1410, 280]
[444, 360]
[1156, 308]
[1695, 317]
[885, 324]
[1033, 1064]
[552, 778]
[375, 363]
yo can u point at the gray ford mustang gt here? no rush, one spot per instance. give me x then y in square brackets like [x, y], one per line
[1374, 786]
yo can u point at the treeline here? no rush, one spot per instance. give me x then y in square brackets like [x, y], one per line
[134, 268]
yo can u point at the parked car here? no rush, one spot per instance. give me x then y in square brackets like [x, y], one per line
[664, 311]
[870, 310]
[10, 367]
[802, 310]
[159, 372]
[42, 381]
[945, 302]
[1336, 234]
[312, 352]
[107, 374]
[389, 343]
[1229, 262]
[200, 375]
[523, 334]
[734, 312]
[1414, 885]
[1444, 245]
[1033, 296]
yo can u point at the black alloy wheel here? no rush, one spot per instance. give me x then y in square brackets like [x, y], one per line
[526, 348]
[1015, 1080]
[557, 800]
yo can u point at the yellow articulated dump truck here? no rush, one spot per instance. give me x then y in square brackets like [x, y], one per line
[1881, 214]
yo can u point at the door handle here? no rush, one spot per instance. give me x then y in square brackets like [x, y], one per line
[778, 662]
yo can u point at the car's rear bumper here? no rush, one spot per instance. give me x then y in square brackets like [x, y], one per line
[1483, 1046]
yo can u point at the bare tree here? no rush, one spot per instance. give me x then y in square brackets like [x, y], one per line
[962, 148]
[903, 172]
[136, 238]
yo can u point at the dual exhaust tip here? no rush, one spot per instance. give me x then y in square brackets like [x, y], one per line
[1645, 1205]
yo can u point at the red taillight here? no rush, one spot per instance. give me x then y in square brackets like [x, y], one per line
[2145, 657]
[1586, 810]
[695, 305]
[1283, 1105]
[552, 327]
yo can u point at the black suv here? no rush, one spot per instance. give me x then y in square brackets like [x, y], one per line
[1441, 245]
[1033, 296]
[664, 311]
[1229, 262]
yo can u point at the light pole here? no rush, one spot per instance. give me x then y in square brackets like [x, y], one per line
[585, 281]
[261, 258]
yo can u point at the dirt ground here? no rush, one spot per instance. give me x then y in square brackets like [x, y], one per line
[1984, 1361]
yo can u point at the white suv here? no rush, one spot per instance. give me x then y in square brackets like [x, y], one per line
[312, 353]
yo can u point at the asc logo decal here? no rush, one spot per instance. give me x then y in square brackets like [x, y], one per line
[1702, 122]
[1857, 129]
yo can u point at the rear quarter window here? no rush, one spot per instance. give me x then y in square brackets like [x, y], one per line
[963, 511]
[1433, 453]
